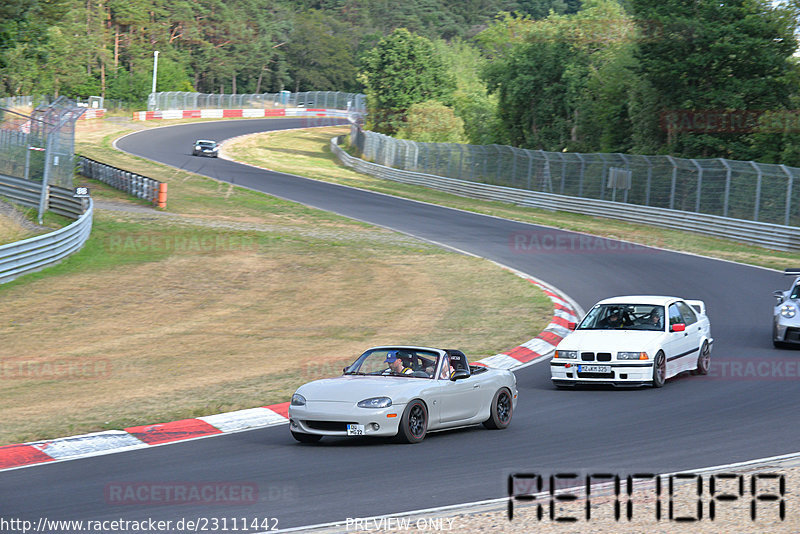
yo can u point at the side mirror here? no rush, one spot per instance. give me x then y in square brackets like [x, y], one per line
[572, 326]
[344, 370]
[778, 294]
[677, 327]
[459, 374]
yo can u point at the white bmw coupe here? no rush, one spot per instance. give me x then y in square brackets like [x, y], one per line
[634, 341]
[403, 391]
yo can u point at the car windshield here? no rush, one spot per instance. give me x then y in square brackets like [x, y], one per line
[207, 144]
[410, 363]
[625, 317]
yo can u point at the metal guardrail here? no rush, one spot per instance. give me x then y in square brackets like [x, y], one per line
[28, 193]
[38, 252]
[767, 235]
[727, 188]
[135, 184]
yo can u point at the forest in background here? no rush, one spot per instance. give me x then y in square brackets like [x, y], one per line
[699, 78]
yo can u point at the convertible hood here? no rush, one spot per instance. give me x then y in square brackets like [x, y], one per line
[355, 388]
[610, 340]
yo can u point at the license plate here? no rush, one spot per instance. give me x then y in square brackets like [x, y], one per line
[594, 368]
[355, 430]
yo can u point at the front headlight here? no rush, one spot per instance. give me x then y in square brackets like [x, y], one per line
[571, 354]
[298, 400]
[788, 311]
[632, 356]
[375, 402]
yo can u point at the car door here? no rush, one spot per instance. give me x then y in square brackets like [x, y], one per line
[694, 331]
[679, 348]
[458, 398]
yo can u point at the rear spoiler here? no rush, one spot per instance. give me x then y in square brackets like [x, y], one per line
[698, 305]
[794, 271]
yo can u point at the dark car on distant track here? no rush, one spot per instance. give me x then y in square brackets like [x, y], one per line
[205, 147]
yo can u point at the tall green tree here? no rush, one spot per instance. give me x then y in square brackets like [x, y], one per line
[320, 50]
[402, 70]
[711, 56]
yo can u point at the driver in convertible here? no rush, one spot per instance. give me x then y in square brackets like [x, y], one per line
[396, 364]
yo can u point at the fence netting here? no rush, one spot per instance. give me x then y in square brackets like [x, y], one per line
[736, 189]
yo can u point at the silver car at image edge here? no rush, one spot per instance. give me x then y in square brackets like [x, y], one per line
[403, 391]
[785, 316]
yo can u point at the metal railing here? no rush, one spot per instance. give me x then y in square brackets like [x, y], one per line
[38, 252]
[355, 102]
[129, 182]
[743, 190]
[773, 236]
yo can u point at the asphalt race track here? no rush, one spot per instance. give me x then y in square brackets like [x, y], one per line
[692, 422]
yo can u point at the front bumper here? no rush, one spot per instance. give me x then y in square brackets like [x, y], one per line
[634, 373]
[332, 418]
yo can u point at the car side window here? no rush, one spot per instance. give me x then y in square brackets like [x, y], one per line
[689, 316]
[674, 315]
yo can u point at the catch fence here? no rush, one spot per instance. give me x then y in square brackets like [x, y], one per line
[743, 190]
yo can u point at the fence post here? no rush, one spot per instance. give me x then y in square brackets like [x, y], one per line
[674, 179]
[580, 178]
[727, 187]
[699, 185]
[563, 170]
[46, 176]
[628, 168]
[758, 190]
[788, 194]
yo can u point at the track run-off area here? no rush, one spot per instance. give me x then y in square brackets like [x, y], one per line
[691, 423]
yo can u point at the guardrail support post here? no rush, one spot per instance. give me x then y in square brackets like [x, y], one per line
[162, 195]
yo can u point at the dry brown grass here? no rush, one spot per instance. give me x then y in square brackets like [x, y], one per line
[137, 330]
[13, 226]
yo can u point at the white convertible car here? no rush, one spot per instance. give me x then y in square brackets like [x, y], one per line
[405, 392]
[625, 341]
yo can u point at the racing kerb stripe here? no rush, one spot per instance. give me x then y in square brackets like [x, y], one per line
[37, 452]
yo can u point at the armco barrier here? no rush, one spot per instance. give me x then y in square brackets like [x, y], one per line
[38, 252]
[28, 193]
[237, 113]
[135, 184]
[772, 236]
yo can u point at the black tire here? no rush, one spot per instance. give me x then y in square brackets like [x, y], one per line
[414, 423]
[502, 410]
[703, 360]
[306, 438]
[659, 370]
